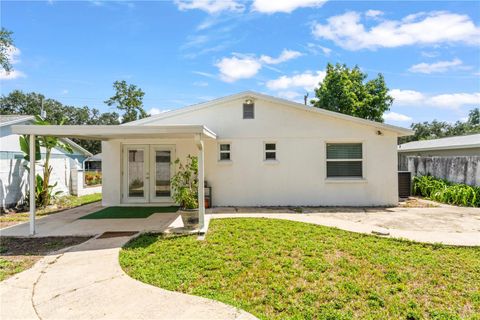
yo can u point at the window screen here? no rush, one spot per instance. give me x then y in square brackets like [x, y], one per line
[344, 160]
[224, 151]
[270, 151]
[248, 111]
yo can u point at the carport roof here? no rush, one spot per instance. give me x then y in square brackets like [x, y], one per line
[107, 132]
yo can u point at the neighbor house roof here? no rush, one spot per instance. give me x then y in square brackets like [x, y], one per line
[459, 142]
[255, 95]
[6, 120]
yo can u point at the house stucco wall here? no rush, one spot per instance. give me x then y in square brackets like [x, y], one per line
[299, 175]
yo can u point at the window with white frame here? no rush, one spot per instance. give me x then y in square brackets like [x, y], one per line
[270, 149]
[344, 160]
[224, 152]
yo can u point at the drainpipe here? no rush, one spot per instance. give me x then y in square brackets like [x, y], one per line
[201, 183]
[32, 184]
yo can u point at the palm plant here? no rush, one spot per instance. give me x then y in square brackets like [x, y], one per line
[44, 193]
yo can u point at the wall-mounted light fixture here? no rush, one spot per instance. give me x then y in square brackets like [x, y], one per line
[249, 101]
[379, 133]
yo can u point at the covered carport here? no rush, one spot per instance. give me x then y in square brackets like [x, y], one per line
[198, 133]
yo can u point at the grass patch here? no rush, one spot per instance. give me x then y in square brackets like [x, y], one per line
[19, 254]
[279, 269]
[128, 212]
[62, 203]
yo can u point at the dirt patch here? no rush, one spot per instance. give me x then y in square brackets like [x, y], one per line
[19, 254]
[15, 246]
[413, 202]
[117, 234]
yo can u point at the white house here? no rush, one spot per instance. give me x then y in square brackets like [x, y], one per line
[13, 176]
[253, 149]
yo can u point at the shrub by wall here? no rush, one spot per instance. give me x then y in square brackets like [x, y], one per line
[443, 191]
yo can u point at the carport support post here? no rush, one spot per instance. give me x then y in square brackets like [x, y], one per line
[201, 183]
[32, 184]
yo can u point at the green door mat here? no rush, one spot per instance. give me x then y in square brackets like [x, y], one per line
[128, 212]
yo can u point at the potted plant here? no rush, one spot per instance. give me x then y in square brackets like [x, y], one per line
[184, 185]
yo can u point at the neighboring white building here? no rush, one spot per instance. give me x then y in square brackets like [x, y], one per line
[253, 149]
[456, 159]
[13, 176]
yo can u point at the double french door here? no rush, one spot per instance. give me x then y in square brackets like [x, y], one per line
[147, 170]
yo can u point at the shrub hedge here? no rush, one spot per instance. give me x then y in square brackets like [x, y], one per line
[443, 191]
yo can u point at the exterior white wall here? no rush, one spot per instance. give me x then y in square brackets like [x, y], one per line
[299, 175]
[112, 162]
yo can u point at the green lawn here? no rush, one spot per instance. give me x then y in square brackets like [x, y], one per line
[128, 212]
[279, 269]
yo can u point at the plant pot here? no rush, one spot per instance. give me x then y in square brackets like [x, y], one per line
[189, 217]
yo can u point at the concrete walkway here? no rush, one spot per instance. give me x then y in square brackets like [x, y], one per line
[444, 224]
[67, 223]
[86, 282]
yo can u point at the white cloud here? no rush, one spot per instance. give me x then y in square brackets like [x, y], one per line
[430, 54]
[307, 80]
[290, 95]
[440, 66]
[286, 6]
[154, 111]
[406, 97]
[14, 74]
[246, 66]
[455, 100]
[13, 54]
[235, 68]
[316, 49]
[445, 101]
[393, 116]
[373, 13]
[284, 56]
[204, 74]
[210, 6]
[347, 31]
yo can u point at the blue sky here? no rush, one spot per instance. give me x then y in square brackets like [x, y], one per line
[184, 52]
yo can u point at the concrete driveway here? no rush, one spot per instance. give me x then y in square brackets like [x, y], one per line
[86, 282]
[443, 224]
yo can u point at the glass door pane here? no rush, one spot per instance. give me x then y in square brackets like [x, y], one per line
[162, 173]
[136, 173]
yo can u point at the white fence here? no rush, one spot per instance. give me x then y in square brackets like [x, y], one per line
[14, 179]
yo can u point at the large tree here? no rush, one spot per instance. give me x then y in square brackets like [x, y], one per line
[346, 91]
[6, 44]
[128, 98]
[440, 129]
[18, 102]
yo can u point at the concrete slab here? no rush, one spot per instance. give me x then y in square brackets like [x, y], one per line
[67, 223]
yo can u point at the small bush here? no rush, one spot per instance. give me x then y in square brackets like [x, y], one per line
[443, 191]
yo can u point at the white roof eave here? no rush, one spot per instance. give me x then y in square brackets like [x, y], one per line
[106, 132]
